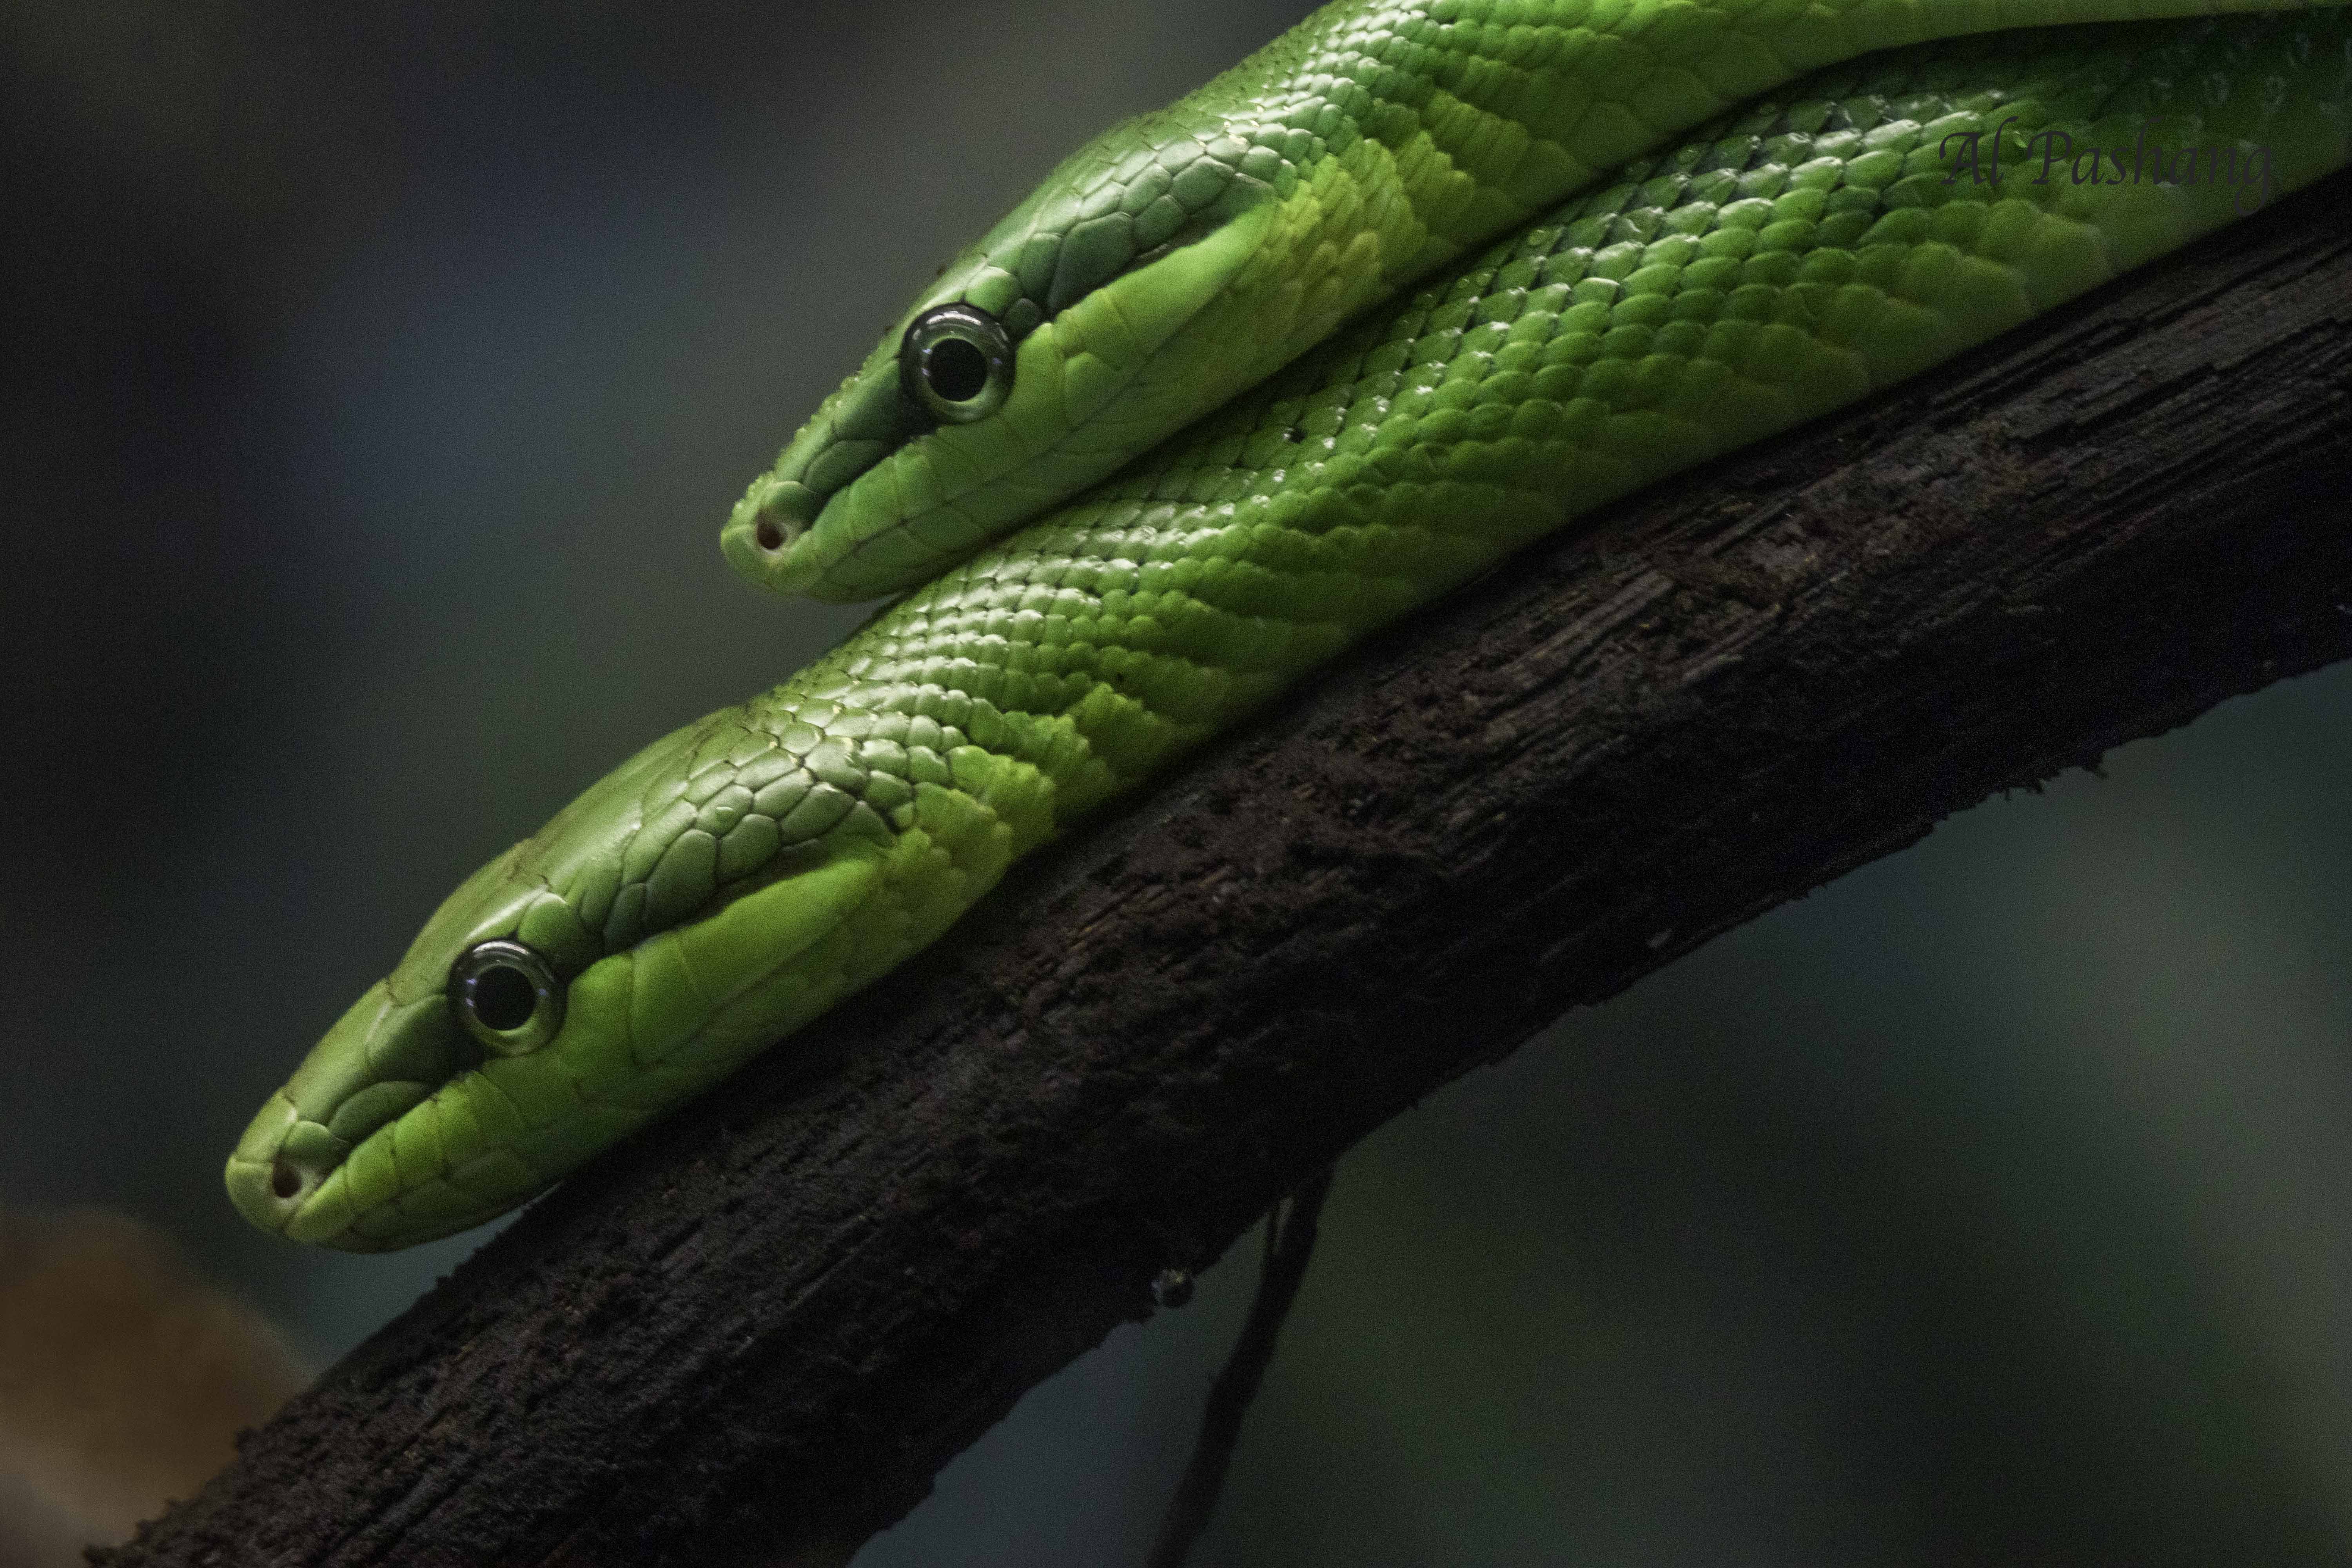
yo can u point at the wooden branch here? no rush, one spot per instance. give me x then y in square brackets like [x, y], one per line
[754, 1335]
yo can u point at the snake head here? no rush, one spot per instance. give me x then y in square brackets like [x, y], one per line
[729, 882]
[404, 1121]
[1163, 268]
[290, 1173]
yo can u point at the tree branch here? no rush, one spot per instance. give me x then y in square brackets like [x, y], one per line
[756, 1334]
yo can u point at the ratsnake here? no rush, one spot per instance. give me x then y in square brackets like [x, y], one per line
[1245, 380]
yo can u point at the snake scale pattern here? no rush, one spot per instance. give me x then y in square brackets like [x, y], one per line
[1185, 426]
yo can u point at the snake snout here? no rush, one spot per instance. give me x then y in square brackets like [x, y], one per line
[381, 1059]
[267, 1181]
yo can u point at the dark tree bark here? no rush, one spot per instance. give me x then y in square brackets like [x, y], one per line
[755, 1334]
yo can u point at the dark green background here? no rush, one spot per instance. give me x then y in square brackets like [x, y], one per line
[375, 385]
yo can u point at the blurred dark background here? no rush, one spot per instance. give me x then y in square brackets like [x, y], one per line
[375, 380]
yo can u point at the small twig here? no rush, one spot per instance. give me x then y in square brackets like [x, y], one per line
[1289, 1244]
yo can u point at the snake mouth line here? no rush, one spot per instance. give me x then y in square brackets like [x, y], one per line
[277, 1169]
[283, 1163]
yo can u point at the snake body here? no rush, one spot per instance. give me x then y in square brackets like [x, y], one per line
[1717, 284]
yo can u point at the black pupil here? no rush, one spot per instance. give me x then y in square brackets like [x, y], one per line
[955, 369]
[504, 997]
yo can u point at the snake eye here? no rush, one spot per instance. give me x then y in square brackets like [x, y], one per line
[507, 996]
[956, 363]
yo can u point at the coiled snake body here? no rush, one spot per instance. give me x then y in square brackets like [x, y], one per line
[1200, 445]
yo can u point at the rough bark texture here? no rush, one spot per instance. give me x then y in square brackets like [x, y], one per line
[755, 1334]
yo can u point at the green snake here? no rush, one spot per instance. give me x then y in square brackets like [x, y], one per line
[1221, 398]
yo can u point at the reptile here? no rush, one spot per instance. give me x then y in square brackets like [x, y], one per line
[1246, 380]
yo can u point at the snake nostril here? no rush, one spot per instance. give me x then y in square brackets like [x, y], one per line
[784, 509]
[284, 1180]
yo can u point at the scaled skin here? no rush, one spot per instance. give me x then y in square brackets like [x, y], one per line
[1186, 254]
[726, 884]
[738, 877]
